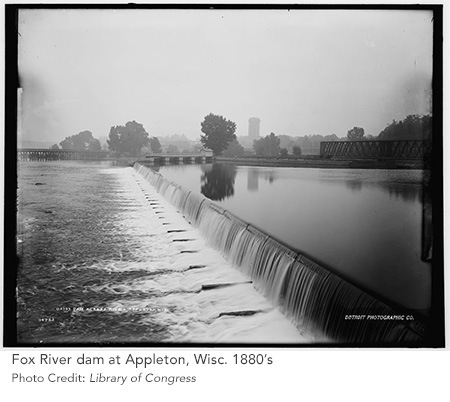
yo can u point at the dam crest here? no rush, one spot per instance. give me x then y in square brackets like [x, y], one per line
[323, 305]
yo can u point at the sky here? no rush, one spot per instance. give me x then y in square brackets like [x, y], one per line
[302, 72]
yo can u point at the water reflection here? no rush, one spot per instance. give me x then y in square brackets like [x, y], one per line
[253, 176]
[354, 185]
[253, 180]
[365, 225]
[410, 193]
[217, 181]
[270, 177]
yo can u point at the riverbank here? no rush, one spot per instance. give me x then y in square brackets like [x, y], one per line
[317, 162]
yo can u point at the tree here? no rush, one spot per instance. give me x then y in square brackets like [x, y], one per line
[219, 132]
[267, 146]
[287, 142]
[234, 149]
[95, 145]
[54, 146]
[331, 137]
[283, 152]
[413, 127]
[356, 133]
[172, 149]
[155, 145]
[178, 140]
[128, 139]
[296, 150]
[306, 144]
[83, 141]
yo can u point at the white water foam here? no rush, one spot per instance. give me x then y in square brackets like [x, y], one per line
[192, 289]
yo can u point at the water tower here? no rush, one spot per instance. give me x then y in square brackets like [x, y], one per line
[253, 127]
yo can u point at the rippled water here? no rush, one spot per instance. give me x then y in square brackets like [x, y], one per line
[104, 259]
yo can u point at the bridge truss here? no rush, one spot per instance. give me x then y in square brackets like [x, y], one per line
[408, 149]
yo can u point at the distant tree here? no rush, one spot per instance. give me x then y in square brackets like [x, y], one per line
[283, 152]
[128, 139]
[103, 142]
[155, 145]
[95, 145]
[172, 149]
[413, 127]
[267, 146]
[82, 141]
[356, 133]
[54, 146]
[331, 137]
[287, 142]
[178, 140]
[296, 150]
[114, 141]
[218, 133]
[306, 144]
[234, 149]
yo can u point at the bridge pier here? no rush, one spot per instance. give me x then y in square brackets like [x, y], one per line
[179, 159]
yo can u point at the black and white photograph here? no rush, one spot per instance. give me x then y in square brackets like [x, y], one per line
[224, 176]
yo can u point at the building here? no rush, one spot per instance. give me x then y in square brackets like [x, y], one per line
[253, 128]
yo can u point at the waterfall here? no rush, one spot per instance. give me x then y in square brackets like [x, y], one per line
[319, 302]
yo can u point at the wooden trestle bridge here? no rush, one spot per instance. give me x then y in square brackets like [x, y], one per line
[33, 154]
[377, 150]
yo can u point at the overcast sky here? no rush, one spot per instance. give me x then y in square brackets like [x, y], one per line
[302, 72]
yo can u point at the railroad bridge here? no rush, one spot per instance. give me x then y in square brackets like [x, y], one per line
[379, 150]
[33, 154]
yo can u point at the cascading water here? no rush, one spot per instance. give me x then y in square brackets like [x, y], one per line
[316, 300]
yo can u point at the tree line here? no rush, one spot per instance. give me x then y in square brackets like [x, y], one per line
[129, 140]
[219, 136]
[413, 127]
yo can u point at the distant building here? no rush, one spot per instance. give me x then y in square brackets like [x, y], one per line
[253, 128]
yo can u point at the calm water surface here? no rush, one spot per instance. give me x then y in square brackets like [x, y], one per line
[363, 224]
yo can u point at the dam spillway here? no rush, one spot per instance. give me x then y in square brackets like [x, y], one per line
[104, 258]
[327, 307]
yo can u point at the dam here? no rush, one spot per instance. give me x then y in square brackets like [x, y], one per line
[104, 259]
[315, 299]
[128, 255]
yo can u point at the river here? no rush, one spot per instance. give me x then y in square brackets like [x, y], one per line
[104, 259]
[363, 224]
